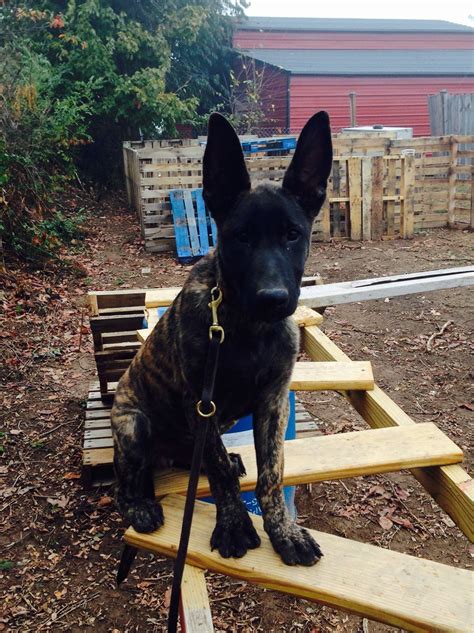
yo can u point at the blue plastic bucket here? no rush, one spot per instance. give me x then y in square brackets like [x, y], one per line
[241, 434]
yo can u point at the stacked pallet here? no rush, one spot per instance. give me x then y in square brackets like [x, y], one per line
[380, 188]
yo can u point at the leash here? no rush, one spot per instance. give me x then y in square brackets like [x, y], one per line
[206, 410]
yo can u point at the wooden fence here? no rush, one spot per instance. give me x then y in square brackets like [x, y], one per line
[451, 114]
[379, 188]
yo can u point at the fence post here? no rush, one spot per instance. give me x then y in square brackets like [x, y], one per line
[326, 220]
[407, 189]
[452, 182]
[377, 197]
[353, 105]
[126, 174]
[444, 112]
[366, 198]
[354, 168]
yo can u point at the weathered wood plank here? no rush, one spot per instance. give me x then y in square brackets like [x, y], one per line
[452, 183]
[382, 287]
[366, 198]
[384, 585]
[377, 198]
[451, 486]
[354, 166]
[195, 611]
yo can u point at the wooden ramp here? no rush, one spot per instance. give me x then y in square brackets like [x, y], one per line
[338, 456]
[402, 590]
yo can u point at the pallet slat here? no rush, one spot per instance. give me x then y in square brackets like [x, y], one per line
[339, 456]
[397, 589]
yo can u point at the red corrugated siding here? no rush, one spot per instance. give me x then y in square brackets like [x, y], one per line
[349, 41]
[392, 101]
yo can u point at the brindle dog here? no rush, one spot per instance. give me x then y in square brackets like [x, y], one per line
[264, 237]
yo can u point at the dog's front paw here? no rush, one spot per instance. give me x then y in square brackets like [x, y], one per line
[144, 515]
[234, 534]
[295, 545]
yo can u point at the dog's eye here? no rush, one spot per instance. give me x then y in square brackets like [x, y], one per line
[292, 235]
[243, 236]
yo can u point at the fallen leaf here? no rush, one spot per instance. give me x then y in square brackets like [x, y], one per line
[72, 476]
[385, 523]
[104, 501]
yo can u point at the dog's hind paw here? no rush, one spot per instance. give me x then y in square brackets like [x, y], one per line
[295, 545]
[145, 515]
[237, 464]
[233, 536]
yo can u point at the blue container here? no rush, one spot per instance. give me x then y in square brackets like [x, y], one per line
[240, 435]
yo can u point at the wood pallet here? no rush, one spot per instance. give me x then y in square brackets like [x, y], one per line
[378, 584]
[97, 453]
[380, 187]
[364, 579]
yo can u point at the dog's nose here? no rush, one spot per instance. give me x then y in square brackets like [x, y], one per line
[272, 298]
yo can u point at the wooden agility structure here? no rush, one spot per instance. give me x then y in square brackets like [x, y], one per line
[380, 188]
[387, 586]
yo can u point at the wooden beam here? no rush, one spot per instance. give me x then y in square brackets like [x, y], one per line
[195, 612]
[401, 590]
[161, 297]
[322, 376]
[382, 287]
[354, 167]
[339, 456]
[450, 486]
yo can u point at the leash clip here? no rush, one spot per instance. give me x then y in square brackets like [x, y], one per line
[216, 300]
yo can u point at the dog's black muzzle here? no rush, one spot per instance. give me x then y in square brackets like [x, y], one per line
[273, 304]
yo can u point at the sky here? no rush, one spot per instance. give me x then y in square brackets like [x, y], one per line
[452, 10]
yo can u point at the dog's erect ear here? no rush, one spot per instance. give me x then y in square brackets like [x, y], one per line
[307, 175]
[225, 175]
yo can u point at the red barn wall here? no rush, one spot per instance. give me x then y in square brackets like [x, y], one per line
[392, 101]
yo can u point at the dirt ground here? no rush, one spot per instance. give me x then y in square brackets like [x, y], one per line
[60, 545]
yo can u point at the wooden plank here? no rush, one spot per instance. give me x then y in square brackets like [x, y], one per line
[384, 585]
[377, 228]
[305, 316]
[202, 221]
[354, 166]
[451, 486]
[325, 215]
[382, 287]
[391, 190]
[366, 198]
[322, 376]
[191, 222]
[161, 297]
[452, 183]
[195, 612]
[180, 224]
[407, 186]
[340, 456]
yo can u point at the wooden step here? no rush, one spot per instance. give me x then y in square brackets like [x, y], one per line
[394, 588]
[338, 457]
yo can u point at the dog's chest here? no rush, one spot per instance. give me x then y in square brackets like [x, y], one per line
[251, 364]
